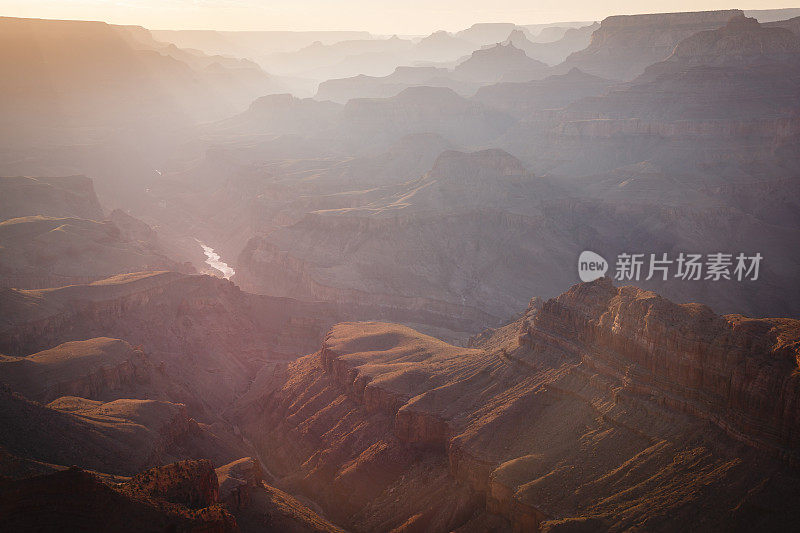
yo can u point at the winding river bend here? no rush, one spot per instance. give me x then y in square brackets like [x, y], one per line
[214, 261]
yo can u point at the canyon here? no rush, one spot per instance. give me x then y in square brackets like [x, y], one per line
[616, 392]
[327, 281]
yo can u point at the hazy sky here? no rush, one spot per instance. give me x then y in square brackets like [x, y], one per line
[379, 16]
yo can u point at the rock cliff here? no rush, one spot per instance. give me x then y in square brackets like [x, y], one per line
[624, 45]
[613, 396]
[61, 197]
[76, 500]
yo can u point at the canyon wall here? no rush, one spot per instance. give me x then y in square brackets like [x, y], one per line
[591, 393]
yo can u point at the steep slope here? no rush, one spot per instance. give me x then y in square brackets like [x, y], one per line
[501, 62]
[423, 110]
[441, 46]
[94, 369]
[210, 335]
[554, 52]
[76, 500]
[53, 232]
[624, 45]
[792, 24]
[119, 437]
[443, 240]
[90, 74]
[258, 506]
[486, 33]
[282, 114]
[469, 210]
[741, 42]
[60, 197]
[342, 90]
[574, 416]
[49, 252]
[553, 92]
[727, 90]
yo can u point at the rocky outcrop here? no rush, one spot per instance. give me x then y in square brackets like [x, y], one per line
[345, 89]
[192, 484]
[119, 437]
[742, 41]
[553, 92]
[200, 331]
[554, 52]
[90, 369]
[283, 114]
[76, 500]
[47, 252]
[237, 481]
[59, 197]
[267, 269]
[423, 110]
[501, 62]
[551, 421]
[624, 45]
[735, 372]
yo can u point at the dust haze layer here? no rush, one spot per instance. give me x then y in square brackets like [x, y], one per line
[402, 343]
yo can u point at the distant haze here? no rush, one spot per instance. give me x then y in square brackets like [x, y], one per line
[379, 16]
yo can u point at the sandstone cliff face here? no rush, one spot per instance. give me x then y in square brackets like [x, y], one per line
[502, 62]
[423, 110]
[90, 369]
[609, 396]
[283, 114]
[76, 500]
[68, 196]
[199, 326]
[742, 41]
[119, 437]
[192, 484]
[54, 233]
[735, 372]
[624, 45]
[554, 52]
[267, 269]
[553, 92]
[237, 481]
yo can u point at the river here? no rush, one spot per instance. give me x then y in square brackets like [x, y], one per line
[214, 261]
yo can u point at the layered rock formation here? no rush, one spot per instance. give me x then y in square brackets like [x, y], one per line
[442, 46]
[51, 252]
[502, 62]
[624, 45]
[76, 500]
[54, 233]
[553, 92]
[60, 197]
[408, 243]
[90, 74]
[282, 114]
[556, 51]
[342, 90]
[204, 329]
[741, 42]
[92, 369]
[423, 110]
[571, 417]
[258, 506]
[120, 437]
